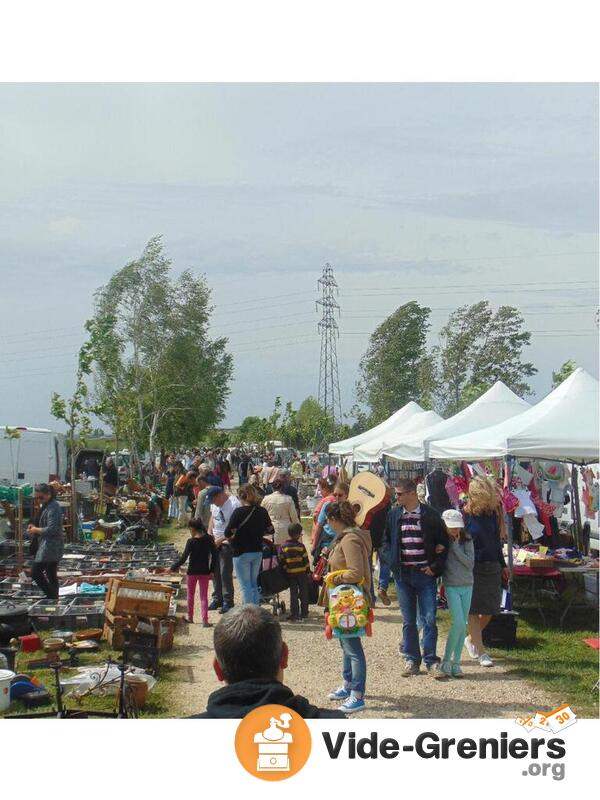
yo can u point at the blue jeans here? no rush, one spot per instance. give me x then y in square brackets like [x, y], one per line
[247, 567]
[459, 603]
[384, 576]
[417, 596]
[354, 665]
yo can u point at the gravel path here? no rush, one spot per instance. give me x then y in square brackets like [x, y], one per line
[315, 663]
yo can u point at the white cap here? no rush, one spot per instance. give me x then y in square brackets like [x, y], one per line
[453, 518]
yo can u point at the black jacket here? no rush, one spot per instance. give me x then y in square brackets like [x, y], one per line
[236, 700]
[201, 553]
[433, 530]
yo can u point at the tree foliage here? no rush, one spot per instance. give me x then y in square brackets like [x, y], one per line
[394, 365]
[160, 380]
[479, 347]
[563, 373]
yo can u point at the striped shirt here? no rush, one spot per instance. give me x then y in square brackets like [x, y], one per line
[293, 557]
[412, 546]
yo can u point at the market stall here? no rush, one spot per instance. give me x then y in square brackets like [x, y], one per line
[496, 405]
[346, 446]
[370, 450]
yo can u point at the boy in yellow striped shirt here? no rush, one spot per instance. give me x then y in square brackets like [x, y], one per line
[294, 560]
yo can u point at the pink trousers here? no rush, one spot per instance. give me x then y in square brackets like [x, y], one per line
[202, 581]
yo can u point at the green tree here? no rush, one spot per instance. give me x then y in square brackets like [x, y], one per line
[391, 367]
[479, 347]
[159, 378]
[563, 373]
[307, 427]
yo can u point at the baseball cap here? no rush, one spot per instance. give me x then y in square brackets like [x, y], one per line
[212, 480]
[453, 518]
[214, 491]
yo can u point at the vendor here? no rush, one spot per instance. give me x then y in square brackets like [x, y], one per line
[51, 541]
[110, 477]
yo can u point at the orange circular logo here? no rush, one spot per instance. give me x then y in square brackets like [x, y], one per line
[273, 743]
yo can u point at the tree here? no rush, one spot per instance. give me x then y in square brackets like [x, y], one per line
[76, 412]
[160, 380]
[308, 427]
[390, 368]
[479, 347]
[563, 373]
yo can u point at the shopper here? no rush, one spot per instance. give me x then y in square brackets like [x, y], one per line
[250, 658]
[281, 510]
[247, 527]
[324, 491]
[350, 557]
[201, 551]
[110, 477]
[183, 482]
[325, 534]
[294, 560]
[50, 543]
[458, 583]
[483, 522]
[222, 506]
[415, 547]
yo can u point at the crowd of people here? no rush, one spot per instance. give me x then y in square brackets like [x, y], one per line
[419, 549]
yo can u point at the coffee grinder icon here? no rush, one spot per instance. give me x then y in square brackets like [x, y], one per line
[273, 745]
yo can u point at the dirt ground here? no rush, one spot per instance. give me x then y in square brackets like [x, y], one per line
[315, 664]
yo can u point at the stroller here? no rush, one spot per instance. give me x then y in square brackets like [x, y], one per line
[272, 579]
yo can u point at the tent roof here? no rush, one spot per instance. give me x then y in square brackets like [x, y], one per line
[371, 450]
[563, 427]
[346, 446]
[495, 405]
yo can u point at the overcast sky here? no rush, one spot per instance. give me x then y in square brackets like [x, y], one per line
[441, 193]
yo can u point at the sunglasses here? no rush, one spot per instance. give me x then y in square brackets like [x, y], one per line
[338, 494]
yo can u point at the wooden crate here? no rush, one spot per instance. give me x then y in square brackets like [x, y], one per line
[138, 597]
[116, 624]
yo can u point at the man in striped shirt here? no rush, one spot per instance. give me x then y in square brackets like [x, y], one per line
[294, 560]
[415, 547]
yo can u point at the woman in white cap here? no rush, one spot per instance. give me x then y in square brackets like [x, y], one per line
[458, 582]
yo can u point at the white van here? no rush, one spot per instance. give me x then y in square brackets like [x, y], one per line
[36, 456]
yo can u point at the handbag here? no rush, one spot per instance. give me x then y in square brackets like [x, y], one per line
[272, 579]
[314, 590]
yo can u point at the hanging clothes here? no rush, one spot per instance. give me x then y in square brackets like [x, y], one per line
[436, 489]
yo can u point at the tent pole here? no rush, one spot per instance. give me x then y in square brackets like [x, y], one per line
[509, 518]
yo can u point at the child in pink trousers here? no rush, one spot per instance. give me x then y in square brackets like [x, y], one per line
[200, 549]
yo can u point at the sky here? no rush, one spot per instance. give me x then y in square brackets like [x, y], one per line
[441, 193]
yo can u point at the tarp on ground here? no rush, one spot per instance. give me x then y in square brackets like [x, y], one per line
[496, 405]
[393, 437]
[346, 446]
[561, 427]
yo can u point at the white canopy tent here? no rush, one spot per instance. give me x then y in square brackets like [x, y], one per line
[371, 450]
[346, 446]
[562, 427]
[496, 405]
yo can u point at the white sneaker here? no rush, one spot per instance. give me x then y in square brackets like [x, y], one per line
[485, 661]
[471, 649]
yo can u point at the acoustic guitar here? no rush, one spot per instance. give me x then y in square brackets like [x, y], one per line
[368, 494]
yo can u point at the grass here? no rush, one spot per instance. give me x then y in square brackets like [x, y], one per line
[155, 707]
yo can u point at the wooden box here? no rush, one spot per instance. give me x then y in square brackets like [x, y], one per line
[116, 624]
[138, 597]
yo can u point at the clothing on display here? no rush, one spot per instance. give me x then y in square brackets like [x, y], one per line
[436, 490]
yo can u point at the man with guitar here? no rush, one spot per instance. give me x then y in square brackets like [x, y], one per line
[415, 547]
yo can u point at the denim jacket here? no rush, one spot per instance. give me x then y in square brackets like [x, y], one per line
[433, 530]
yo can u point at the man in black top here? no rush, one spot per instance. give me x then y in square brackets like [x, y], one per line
[110, 477]
[250, 657]
[243, 469]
